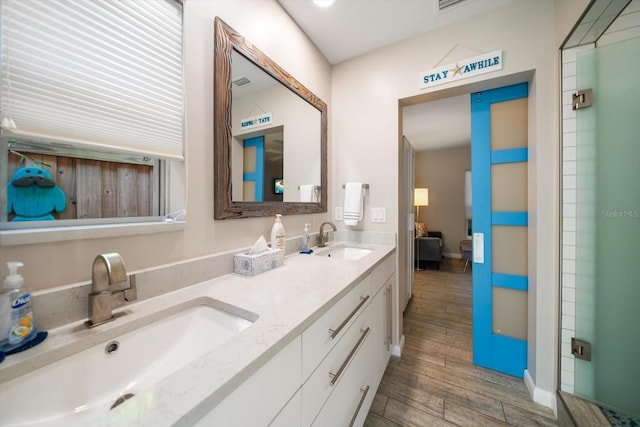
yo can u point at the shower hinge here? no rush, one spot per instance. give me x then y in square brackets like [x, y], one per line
[582, 99]
[581, 349]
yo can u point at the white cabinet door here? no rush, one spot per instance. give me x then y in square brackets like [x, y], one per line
[258, 400]
[291, 415]
[387, 315]
[382, 349]
[381, 274]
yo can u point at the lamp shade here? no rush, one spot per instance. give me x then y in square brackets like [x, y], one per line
[421, 197]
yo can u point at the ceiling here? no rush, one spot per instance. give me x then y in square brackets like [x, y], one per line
[350, 28]
[435, 125]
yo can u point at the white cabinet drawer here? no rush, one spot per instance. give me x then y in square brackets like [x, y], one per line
[382, 272]
[317, 339]
[352, 397]
[258, 400]
[336, 365]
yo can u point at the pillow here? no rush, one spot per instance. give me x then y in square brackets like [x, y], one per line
[421, 229]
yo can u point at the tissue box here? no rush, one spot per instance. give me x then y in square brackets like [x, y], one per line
[250, 265]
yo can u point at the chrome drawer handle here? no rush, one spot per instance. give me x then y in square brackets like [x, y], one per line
[363, 336]
[364, 392]
[334, 333]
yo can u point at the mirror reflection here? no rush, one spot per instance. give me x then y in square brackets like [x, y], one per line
[270, 135]
[276, 139]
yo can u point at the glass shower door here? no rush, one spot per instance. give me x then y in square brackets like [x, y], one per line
[608, 227]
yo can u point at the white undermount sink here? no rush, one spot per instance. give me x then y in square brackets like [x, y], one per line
[76, 389]
[348, 253]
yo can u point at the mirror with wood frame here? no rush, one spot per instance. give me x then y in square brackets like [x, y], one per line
[270, 135]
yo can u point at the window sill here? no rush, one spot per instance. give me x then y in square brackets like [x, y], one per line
[84, 232]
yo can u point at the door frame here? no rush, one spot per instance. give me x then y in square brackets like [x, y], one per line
[468, 89]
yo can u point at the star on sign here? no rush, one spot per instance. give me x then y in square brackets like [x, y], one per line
[457, 70]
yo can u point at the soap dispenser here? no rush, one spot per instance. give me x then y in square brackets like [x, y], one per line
[277, 234]
[16, 315]
[305, 240]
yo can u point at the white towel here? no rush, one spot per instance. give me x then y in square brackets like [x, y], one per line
[307, 193]
[353, 203]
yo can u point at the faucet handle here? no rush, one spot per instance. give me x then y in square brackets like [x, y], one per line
[131, 294]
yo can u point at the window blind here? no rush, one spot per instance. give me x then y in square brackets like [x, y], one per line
[103, 75]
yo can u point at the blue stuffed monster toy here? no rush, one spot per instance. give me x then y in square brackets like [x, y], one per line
[33, 195]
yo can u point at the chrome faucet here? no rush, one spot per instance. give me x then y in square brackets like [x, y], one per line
[107, 291]
[323, 238]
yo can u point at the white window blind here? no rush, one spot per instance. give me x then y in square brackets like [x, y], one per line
[104, 74]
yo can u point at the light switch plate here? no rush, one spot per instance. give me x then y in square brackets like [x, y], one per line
[378, 215]
[338, 213]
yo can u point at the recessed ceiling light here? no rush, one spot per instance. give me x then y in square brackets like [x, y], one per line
[323, 3]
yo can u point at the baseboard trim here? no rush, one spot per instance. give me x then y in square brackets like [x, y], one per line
[397, 349]
[541, 397]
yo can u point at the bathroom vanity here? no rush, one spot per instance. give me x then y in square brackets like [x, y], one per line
[311, 345]
[328, 374]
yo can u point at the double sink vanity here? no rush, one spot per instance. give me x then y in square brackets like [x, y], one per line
[304, 344]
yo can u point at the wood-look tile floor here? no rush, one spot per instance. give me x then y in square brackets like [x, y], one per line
[435, 382]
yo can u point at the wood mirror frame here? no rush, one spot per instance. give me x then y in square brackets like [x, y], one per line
[227, 40]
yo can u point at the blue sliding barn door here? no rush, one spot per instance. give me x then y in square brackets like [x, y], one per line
[253, 176]
[499, 154]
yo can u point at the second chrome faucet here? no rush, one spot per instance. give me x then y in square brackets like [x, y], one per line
[323, 238]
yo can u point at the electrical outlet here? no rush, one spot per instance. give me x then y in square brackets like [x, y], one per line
[338, 213]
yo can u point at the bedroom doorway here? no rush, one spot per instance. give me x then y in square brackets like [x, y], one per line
[425, 118]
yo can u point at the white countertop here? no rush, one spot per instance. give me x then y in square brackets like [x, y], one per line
[286, 299]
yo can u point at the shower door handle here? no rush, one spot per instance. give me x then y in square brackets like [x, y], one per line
[581, 349]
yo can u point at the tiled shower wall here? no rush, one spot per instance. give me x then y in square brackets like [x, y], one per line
[627, 26]
[569, 197]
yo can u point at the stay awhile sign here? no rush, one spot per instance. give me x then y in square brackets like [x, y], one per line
[481, 64]
[253, 122]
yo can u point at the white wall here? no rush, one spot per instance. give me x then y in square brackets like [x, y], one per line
[442, 172]
[264, 23]
[365, 97]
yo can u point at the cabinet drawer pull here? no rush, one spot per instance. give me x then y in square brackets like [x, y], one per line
[334, 333]
[334, 377]
[364, 392]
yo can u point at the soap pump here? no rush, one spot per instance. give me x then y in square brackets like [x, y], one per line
[305, 240]
[16, 317]
[277, 234]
